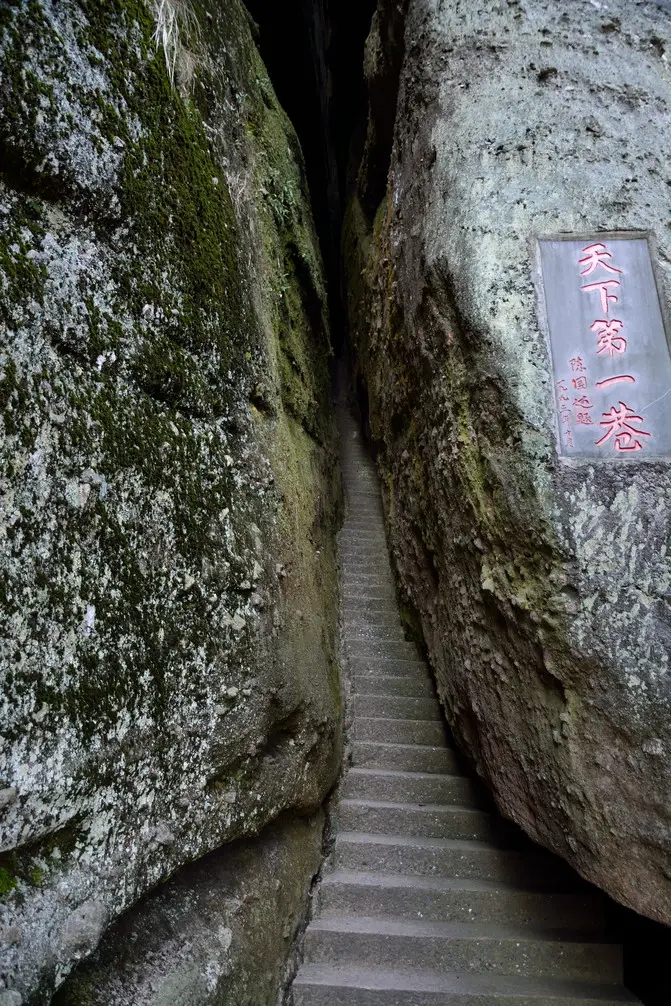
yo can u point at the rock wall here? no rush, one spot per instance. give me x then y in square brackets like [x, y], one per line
[541, 589]
[167, 571]
[219, 933]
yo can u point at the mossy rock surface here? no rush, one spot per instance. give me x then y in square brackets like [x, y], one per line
[167, 573]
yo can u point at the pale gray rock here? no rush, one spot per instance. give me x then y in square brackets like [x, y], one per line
[220, 933]
[83, 928]
[10, 998]
[166, 442]
[542, 591]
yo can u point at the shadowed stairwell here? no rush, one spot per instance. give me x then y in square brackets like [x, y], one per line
[430, 898]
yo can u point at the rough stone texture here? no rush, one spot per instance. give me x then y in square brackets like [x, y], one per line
[167, 584]
[219, 933]
[542, 590]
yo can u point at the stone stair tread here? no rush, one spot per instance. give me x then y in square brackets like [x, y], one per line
[395, 719]
[400, 774]
[367, 892]
[409, 662]
[413, 928]
[386, 755]
[464, 845]
[421, 855]
[403, 686]
[528, 991]
[413, 788]
[377, 634]
[385, 617]
[433, 884]
[426, 807]
[367, 593]
[392, 706]
[405, 730]
[409, 651]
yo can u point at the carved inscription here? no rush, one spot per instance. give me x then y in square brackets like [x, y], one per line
[610, 355]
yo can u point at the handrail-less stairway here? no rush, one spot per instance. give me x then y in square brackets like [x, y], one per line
[430, 899]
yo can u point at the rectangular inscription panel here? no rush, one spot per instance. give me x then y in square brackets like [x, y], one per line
[610, 355]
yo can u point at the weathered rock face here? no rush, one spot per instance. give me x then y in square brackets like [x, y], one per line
[220, 933]
[167, 587]
[542, 590]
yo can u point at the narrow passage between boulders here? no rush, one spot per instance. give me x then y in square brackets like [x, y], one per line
[430, 898]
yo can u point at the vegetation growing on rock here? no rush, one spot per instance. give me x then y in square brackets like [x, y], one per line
[167, 585]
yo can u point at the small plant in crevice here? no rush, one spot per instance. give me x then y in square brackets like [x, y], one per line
[176, 28]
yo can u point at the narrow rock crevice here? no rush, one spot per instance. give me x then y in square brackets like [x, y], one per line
[362, 154]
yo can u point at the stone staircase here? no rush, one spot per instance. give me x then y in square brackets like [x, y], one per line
[430, 898]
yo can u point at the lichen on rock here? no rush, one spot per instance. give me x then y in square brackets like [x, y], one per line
[219, 933]
[167, 464]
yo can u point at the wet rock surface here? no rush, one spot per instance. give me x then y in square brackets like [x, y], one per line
[167, 584]
[541, 590]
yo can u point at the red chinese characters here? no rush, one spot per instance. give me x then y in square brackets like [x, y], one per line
[565, 415]
[606, 288]
[619, 424]
[622, 425]
[608, 336]
[596, 255]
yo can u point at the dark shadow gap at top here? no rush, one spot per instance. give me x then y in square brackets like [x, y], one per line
[313, 50]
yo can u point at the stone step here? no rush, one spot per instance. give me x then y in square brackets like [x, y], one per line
[355, 618]
[381, 633]
[370, 526]
[405, 757]
[361, 551]
[363, 547]
[364, 507]
[406, 685]
[410, 787]
[371, 607]
[359, 581]
[446, 899]
[388, 665]
[356, 580]
[357, 517]
[356, 541]
[393, 651]
[399, 731]
[397, 707]
[353, 567]
[465, 948]
[361, 620]
[362, 496]
[373, 534]
[357, 544]
[444, 857]
[324, 985]
[362, 595]
[387, 817]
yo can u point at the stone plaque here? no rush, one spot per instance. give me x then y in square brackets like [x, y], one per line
[610, 355]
